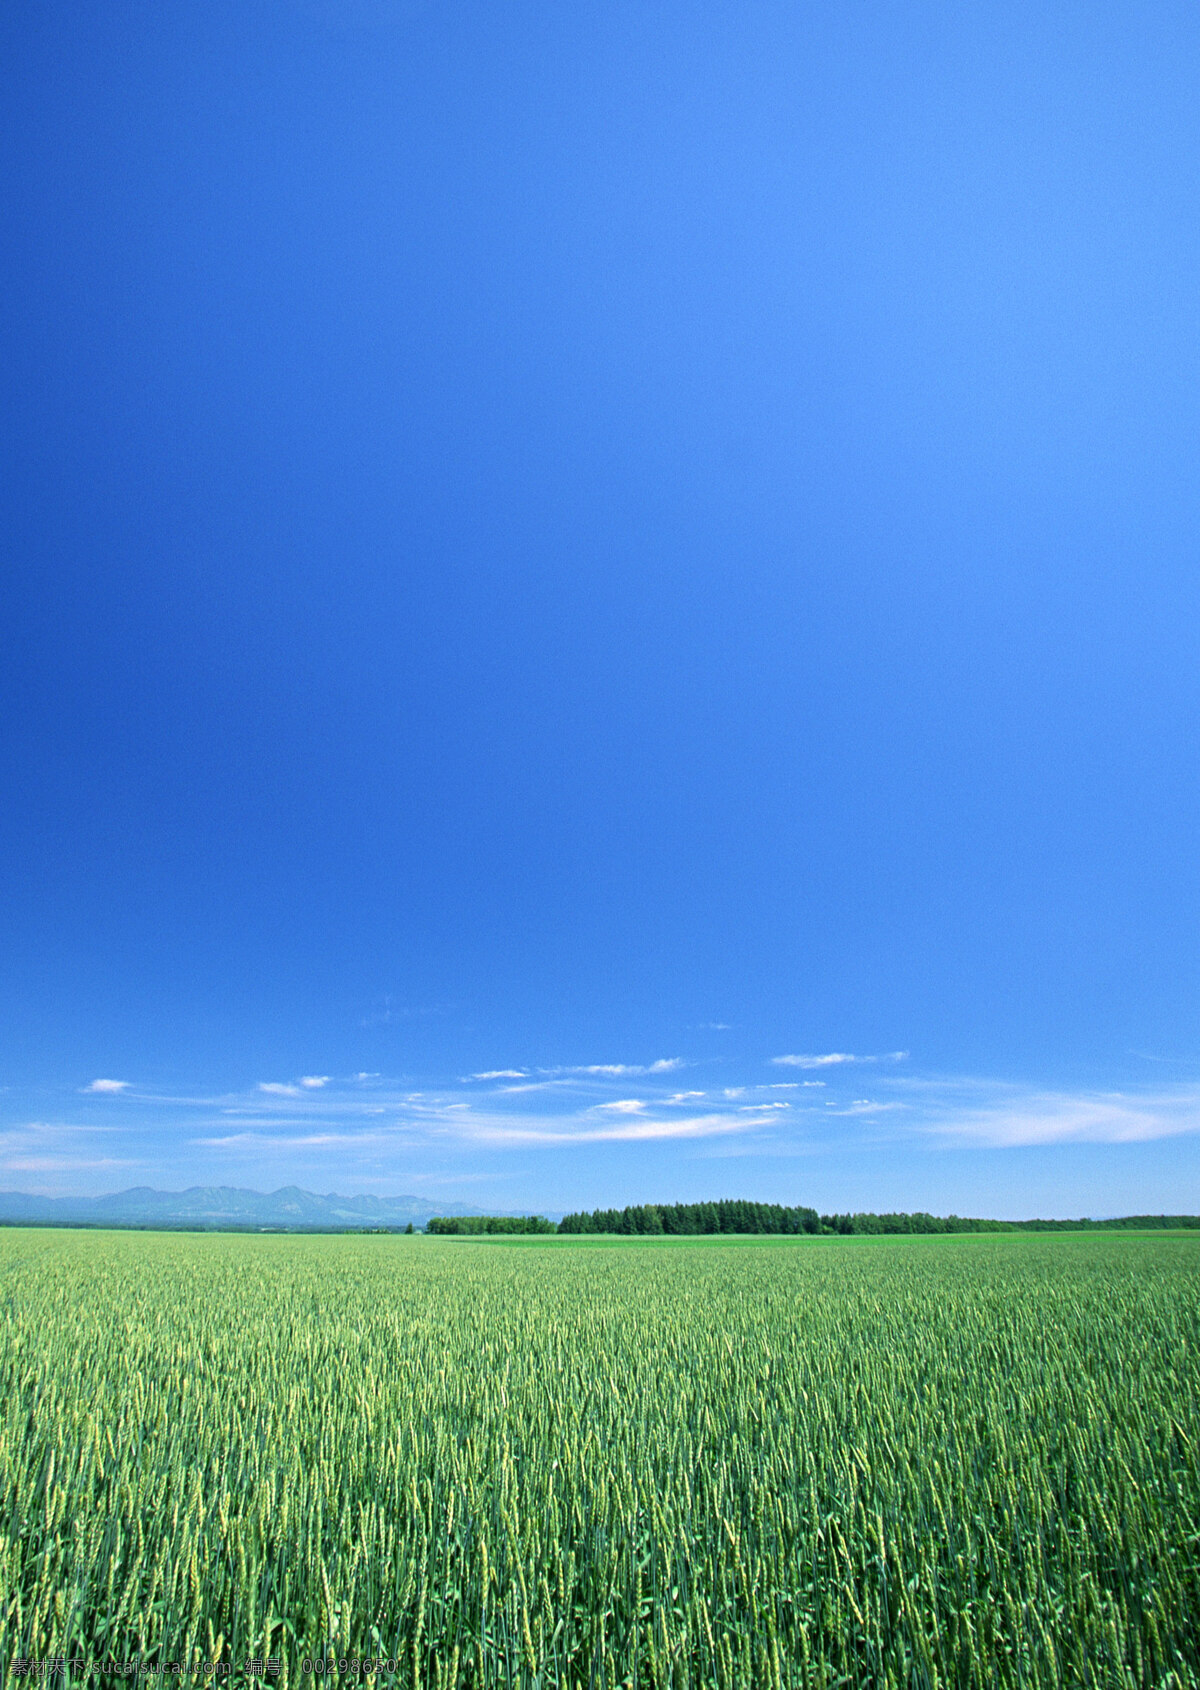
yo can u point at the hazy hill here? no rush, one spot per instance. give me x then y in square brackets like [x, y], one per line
[221, 1206]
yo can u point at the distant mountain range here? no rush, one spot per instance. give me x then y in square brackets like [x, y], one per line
[222, 1208]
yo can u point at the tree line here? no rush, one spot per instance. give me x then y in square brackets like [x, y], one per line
[740, 1216]
[467, 1224]
[682, 1219]
[737, 1215]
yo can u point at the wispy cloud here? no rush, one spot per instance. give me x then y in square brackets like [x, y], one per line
[535, 1085]
[284, 1131]
[627, 1120]
[862, 1106]
[108, 1086]
[614, 1070]
[381, 1130]
[564, 1072]
[962, 1112]
[497, 1131]
[832, 1059]
[835, 1059]
[388, 1012]
[61, 1164]
[62, 1154]
[290, 1140]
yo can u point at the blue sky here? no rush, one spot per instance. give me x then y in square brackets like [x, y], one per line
[604, 547]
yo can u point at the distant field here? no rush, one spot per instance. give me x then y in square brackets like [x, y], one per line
[961, 1461]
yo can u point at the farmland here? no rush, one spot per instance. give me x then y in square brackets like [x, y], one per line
[962, 1461]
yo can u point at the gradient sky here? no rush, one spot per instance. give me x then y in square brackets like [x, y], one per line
[614, 583]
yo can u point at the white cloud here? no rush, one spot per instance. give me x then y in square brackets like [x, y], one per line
[493, 1131]
[63, 1156]
[499, 1131]
[835, 1058]
[314, 1082]
[65, 1164]
[107, 1085]
[831, 1060]
[42, 1132]
[614, 1070]
[500, 1074]
[290, 1131]
[294, 1141]
[1018, 1118]
[534, 1085]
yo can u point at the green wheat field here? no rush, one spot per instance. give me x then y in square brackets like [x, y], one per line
[965, 1461]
